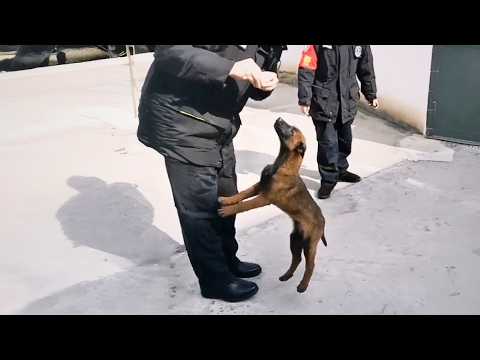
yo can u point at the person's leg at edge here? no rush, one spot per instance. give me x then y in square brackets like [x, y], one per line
[195, 191]
[227, 186]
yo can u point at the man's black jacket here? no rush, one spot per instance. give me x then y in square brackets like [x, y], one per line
[190, 106]
[327, 80]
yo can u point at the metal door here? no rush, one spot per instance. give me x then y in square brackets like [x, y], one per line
[454, 99]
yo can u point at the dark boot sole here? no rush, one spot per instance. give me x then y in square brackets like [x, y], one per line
[350, 182]
[232, 300]
[323, 197]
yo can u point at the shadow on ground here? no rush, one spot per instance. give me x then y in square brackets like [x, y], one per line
[114, 218]
[117, 219]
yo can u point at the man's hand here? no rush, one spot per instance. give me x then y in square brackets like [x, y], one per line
[248, 70]
[269, 80]
[375, 104]
[305, 109]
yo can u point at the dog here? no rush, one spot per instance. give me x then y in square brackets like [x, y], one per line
[281, 185]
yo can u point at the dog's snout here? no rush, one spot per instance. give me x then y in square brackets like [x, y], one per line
[282, 127]
[279, 124]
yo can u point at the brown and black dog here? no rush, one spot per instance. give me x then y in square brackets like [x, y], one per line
[282, 186]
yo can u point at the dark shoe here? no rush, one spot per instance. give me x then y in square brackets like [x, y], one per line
[246, 270]
[349, 177]
[325, 190]
[235, 291]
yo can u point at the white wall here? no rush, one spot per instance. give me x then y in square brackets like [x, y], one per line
[291, 58]
[403, 78]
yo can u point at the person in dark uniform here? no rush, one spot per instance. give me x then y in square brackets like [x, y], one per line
[328, 91]
[189, 112]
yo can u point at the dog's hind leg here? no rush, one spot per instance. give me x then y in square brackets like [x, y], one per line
[310, 251]
[296, 249]
[235, 199]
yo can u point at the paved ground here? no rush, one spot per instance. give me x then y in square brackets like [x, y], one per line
[404, 241]
[89, 225]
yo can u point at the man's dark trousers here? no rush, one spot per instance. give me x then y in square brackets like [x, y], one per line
[334, 146]
[209, 239]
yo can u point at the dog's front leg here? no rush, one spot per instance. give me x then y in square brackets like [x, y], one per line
[243, 206]
[235, 199]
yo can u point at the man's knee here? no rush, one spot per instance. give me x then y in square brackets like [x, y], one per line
[194, 188]
[345, 143]
[327, 152]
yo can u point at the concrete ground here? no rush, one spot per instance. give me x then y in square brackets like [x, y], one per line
[89, 227]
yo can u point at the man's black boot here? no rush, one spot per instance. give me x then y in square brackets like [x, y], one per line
[349, 177]
[234, 291]
[245, 269]
[325, 190]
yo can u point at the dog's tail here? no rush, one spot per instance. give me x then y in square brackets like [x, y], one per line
[324, 240]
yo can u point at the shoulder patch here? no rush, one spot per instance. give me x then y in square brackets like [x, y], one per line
[309, 58]
[358, 51]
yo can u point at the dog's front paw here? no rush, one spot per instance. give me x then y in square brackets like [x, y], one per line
[226, 211]
[224, 201]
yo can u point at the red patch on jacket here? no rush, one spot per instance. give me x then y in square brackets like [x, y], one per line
[309, 59]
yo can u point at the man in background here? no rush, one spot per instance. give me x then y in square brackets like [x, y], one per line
[328, 91]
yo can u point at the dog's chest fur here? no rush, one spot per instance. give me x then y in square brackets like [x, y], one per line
[280, 191]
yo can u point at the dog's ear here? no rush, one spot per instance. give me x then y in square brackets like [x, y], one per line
[301, 148]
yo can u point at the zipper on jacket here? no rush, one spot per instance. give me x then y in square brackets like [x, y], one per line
[195, 117]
